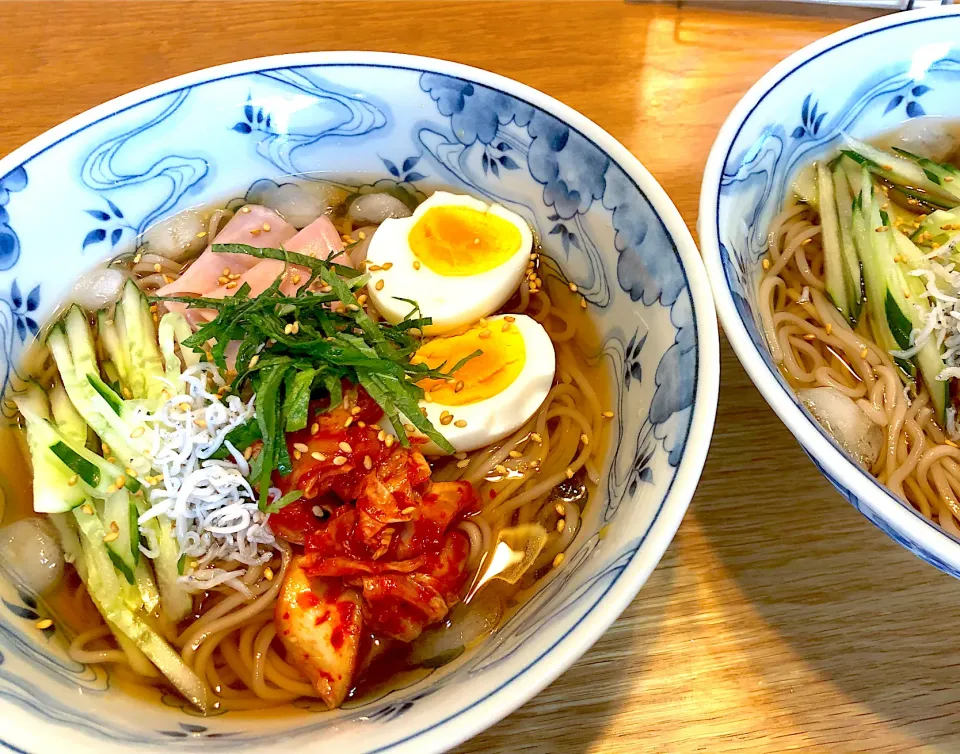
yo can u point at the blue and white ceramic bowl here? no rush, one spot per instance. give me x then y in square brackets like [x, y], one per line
[84, 190]
[864, 80]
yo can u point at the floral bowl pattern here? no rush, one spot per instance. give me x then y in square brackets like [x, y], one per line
[862, 81]
[413, 124]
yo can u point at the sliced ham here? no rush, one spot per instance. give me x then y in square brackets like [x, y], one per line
[202, 276]
[319, 240]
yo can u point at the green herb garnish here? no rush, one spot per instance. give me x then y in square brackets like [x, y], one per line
[295, 348]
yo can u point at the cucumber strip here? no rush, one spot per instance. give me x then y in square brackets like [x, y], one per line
[175, 601]
[940, 228]
[901, 171]
[172, 331]
[54, 489]
[110, 338]
[105, 588]
[126, 433]
[121, 542]
[843, 198]
[874, 265]
[68, 421]
[95, 475]
[806, 186]
[834, 267]
[140, 344]
[928, 359]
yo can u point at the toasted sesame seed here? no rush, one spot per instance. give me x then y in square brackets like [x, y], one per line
[288, 329]
[506, 327]
[318, 456]
[445, 418]
[379, 285]
[110, 536]
[223, 280]
[253, 360]
[254, 231]
[355, 410]
[339, 461]
[231, 285]
[386, 265]
[248, 453]
[268, 573]
[266, 227]
[130, 472]
[585, 439]
[560, 509]
[809, 336]
[202, 234]
[561, 524]
[569, 473]
[244, 209]
[500, 469]
[297, 455]
[515, 454]
[345, 447]
[607, 414]
[462, 464]
[951, 443]
[121, 480]
[484, 334]
[301, 447]
[87, 508]
[348, 422]
[126, 393]
[45, 623]
[535, 436]
[458, 387]
[573, 287]
[72, 481]
[157, 267]
[416, 264]
[461, 423]
[367, 463]
[558, 560]
[114, 526]
[408, 428]
[828, 328]
[583, 303]
[765, 264]
[374, 268]
[202, 423]
[863, 353]
[390, 441]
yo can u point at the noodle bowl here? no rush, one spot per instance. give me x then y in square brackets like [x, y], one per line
[541, 475]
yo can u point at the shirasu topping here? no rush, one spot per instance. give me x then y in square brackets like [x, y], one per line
[212, 505]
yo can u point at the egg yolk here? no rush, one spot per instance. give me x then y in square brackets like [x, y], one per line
[500, 362]
[458, 241]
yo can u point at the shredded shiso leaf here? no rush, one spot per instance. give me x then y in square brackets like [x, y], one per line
[292, 347]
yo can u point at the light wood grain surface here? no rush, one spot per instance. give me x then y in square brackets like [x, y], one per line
[779, 618]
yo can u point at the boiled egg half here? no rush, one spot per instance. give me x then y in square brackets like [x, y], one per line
[459, 258]
[493, 394]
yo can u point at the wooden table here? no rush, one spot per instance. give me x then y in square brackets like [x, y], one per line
[779, 618]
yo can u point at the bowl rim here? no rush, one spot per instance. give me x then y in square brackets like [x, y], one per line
[507, 697]
[825, 454]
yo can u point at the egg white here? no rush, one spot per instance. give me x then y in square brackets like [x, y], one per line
[496, 417]
[452, 301]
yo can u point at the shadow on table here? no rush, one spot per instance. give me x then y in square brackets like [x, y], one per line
[878, 623]
[575, 710]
